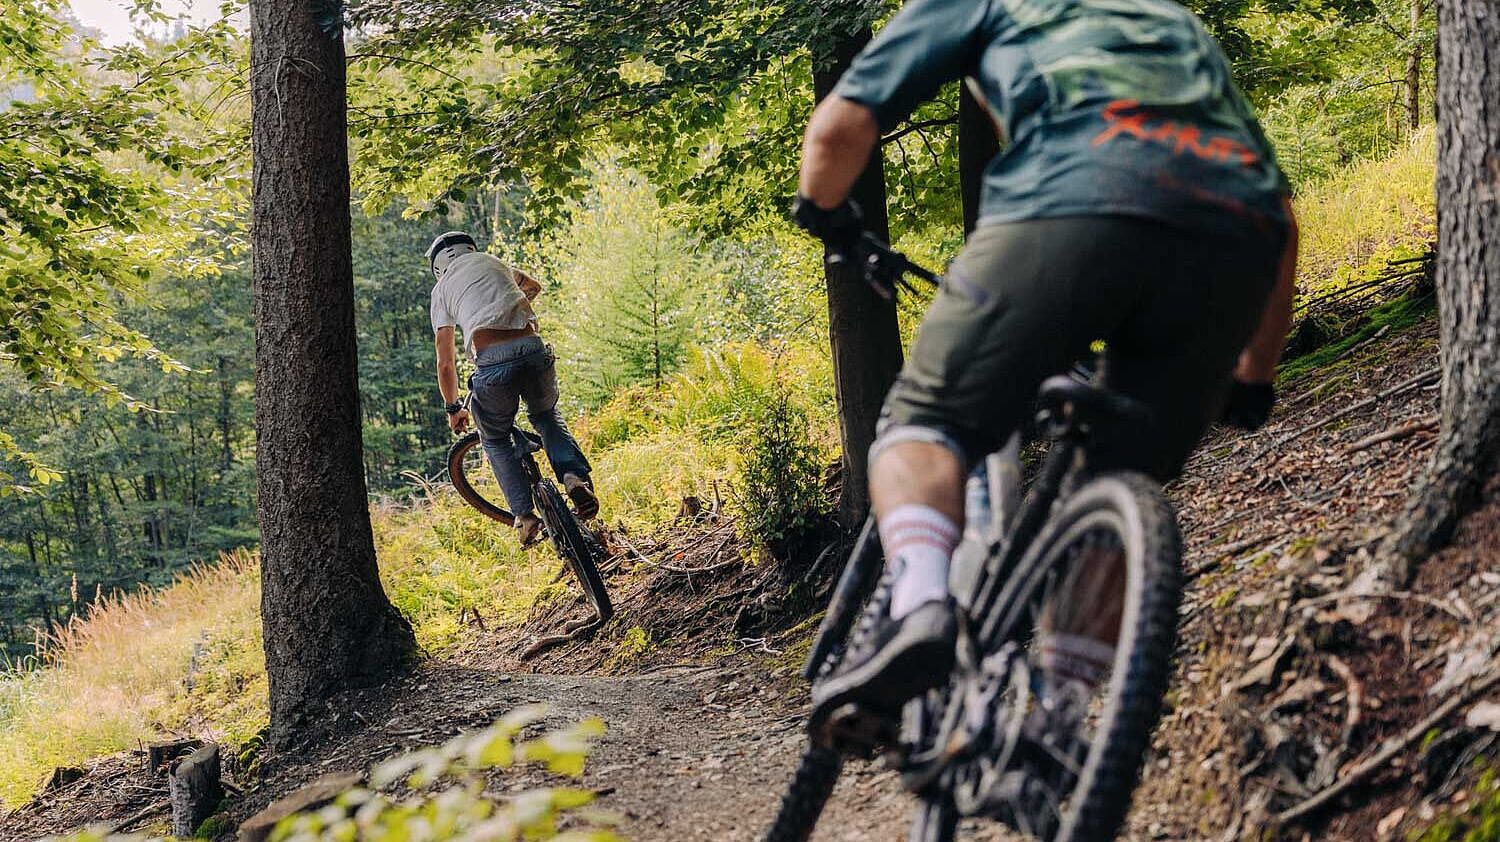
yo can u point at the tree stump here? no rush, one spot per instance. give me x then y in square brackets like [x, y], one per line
[61, 777]
[158, 755]
[194, 790]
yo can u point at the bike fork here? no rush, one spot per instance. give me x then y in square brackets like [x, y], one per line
[861, 572]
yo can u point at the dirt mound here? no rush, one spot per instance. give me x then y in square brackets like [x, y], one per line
[1291, 674]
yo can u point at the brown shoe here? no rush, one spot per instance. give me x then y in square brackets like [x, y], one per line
[528, 529]
[582, 495]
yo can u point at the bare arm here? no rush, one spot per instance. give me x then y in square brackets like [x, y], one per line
[530, 287]
[447, 376]
[1258, 361]
[838, 143]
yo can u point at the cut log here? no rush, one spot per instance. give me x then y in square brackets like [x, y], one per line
[158, 755]
[194, 790]
[61, 777]
[258, 827]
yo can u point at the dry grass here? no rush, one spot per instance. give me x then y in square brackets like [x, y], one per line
[120, 676]
[117, 677]
[1373, 205]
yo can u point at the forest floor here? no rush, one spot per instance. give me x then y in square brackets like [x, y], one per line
[1290, 673]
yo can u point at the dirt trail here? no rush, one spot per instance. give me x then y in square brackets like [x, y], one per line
[690, 753]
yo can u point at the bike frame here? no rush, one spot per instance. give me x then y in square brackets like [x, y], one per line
[1012, 525]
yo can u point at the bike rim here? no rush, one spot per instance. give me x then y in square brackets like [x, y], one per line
[1059, 771]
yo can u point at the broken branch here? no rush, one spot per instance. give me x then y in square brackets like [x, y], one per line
[1392, 747]
[1421, 425]
[1418, 381]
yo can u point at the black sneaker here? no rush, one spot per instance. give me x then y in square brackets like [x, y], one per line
[891, 661]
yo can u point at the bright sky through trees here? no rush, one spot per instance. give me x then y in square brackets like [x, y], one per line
[112, 17]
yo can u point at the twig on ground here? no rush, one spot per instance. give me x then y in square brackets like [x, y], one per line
[1338, 596]
[1242, 544]
[1419, 380]
[709, 568]
[1217, 556]
[761, 643]
[1310, 391]
[1420, 425]
[1356, 692]
[691, 570]
[135, 817]
[1394, 746]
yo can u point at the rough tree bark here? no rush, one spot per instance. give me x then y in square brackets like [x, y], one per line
[328, 625]
[977, 144]
[1414, 67]
[861, 325]
[1468, 283]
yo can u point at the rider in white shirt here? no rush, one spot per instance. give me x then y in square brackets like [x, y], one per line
[490, 303]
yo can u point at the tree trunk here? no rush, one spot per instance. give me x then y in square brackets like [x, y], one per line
[977, 144]
[1468, 283]
[226, 454]
[1414, 67]
[328, 624]
[861, 325]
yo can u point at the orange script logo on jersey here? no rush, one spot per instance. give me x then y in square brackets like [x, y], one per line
[1124, 119]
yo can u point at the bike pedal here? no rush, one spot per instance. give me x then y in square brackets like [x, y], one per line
[853, 731]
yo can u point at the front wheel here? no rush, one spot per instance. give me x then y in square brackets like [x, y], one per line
[576, 547]
[817, 773]
[466, 460]
[1073, 755]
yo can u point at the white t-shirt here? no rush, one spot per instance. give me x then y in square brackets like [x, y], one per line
[477, 291]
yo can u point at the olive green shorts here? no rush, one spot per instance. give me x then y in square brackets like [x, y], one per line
[1025, 300]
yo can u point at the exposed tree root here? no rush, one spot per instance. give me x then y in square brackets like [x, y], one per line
[576, 630]
[1392, 747]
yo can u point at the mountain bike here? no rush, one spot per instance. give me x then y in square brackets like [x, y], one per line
[574, 542]
[991, 743]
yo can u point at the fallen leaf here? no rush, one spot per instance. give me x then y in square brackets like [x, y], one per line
[1389, 823]
[1484, 715]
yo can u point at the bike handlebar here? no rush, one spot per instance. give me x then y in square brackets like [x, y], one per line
[882, 267]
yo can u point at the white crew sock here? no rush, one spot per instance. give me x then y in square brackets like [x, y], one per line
[918, 542]
[1072, 657]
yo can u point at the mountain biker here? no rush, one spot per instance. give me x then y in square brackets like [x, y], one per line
[1135, 201]
[491, 303]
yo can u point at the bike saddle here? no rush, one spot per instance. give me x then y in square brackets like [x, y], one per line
[1066, 402]
[526, 441]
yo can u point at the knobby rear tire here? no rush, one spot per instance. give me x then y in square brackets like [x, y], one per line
[575, 548]
[465, 489]
[1142, 668]
[817, 773]
[935, 821]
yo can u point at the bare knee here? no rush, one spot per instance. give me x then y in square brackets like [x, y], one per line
[917, 471]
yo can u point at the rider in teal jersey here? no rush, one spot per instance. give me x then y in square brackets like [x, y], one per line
[1135, 201]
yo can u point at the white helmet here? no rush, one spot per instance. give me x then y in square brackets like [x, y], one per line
[447, 247]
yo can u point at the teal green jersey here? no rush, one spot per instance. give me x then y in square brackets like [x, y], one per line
[1103, 107]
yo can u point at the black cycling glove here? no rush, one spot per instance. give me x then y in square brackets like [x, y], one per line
[1249, 405]
[839, 228]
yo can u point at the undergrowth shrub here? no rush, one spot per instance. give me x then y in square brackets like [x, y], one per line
[439, 557]
[1477, 820]
[778, 488]
[1347, 217]
[444, 791]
